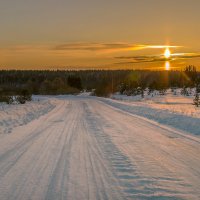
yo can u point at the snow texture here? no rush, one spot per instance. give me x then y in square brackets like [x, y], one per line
[84, 148]
[12, 116]
[174, 111]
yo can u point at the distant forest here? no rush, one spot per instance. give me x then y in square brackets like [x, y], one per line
[101, 82]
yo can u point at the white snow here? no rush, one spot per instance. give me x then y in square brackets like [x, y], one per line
[94, 148]
[12, 116]
[176, 111]
[178, 103]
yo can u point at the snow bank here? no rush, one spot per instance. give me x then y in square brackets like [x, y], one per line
[176, 104]
[12, 116]
[165, 116]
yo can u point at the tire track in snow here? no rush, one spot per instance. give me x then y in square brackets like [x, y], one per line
[119, 164]
[57, 188]
[106, 183]
[135, 184]
[26, 145]
[15, 152]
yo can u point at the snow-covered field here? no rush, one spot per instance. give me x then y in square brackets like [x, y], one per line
[94, 148]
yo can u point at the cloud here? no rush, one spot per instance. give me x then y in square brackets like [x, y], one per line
[90, 51]
[84, 47]
[155, 58]
[89, 46]
[107, 47]
[185, 55]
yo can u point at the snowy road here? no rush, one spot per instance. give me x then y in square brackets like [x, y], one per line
[85, 149]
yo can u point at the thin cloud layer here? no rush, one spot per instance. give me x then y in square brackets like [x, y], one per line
[156, 58]
[90, 46]
[90, 53]
[107, 46]
[93, 47]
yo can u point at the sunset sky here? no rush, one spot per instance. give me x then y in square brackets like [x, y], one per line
[51, 34]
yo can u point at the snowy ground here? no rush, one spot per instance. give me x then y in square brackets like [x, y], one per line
[12, 116]
[176, 111]
[92, 148]
[178, 104]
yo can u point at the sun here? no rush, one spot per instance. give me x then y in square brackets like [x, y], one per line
[167, 53]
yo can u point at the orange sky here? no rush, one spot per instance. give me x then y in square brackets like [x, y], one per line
[49, 34]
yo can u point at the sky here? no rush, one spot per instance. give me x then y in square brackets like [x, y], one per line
[82, 34]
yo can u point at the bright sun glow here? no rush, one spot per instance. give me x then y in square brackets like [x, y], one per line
[167, 53]
[167, 65]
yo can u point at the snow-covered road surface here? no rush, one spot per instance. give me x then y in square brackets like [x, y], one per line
[85, 149]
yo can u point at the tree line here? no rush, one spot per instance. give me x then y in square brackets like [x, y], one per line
[101, 82]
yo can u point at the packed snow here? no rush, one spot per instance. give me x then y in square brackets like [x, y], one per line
[80, 147]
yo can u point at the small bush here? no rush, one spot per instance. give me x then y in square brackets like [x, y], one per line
[26, 95]
[6, 99]
[20, 99]
[196, 100]
[23, 96]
